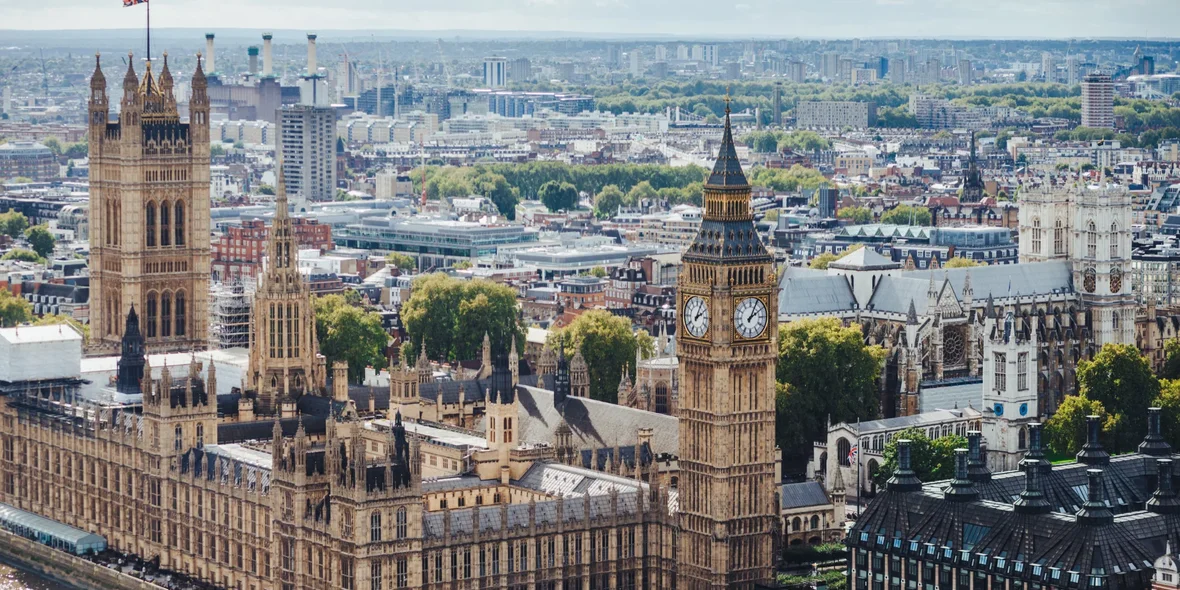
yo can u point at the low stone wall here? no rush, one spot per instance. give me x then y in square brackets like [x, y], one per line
[63, 567]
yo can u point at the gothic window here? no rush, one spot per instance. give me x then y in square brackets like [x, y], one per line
[165, 226]
[180, 313]
[152, 315]
[178, 223]
[814, 522]
[166, 314]
[401, 523]
[1089, 280]
[1114, 321]
[1022, 371]
[1059, 238]
[375, 527]
[1114, 240]
[662, 398]
[1001, 371]
[150, 223]
[179, 439]
[796, 525]
[953, 348]
[1036, 235]
[200, 435]
[1021, 441]
[375, 575]
[843, 447]
[1091, 240]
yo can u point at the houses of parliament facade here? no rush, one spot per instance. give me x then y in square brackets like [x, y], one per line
[303, 489]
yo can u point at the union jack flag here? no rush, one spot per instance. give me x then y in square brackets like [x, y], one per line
[133, 2]
[852, 453]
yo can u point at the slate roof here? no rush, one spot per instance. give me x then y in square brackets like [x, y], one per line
[802, 495]
[895, 293]
[1026, 279]
[815, 294]
[473, 389]
[233, 432]
[949, 395]
[864, 259]
[593, 424]
[914, 421]
[727, 171]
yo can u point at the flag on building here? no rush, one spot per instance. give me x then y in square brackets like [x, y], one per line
[852, 453]
[133, 2]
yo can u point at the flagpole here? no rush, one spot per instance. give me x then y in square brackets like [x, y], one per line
[149, 31]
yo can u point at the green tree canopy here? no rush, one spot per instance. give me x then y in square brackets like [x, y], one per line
[821, 261]
[960, 262]
[856, 215]
[14, 310]
[451, 316]
[53, 319]
[907, 215]
[558, 196]
[1065, 431]
[640, 192]
[40, 240]
[1120, 378]
[931, 460]
[608, 201]
[1171, 368]
[23, 255]
[825, 370]
[266, 189]
[608, 344]
[13, 224]
[348, 333]
[401, 261]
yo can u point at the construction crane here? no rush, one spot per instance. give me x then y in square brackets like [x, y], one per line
[443, 58]
[44, 75]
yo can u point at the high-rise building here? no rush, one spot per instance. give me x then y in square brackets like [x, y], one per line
[495, 72]
[709, 54]
[830, 65]
[1048, 67]
[966, 76]
[727, 304]
[682, 52]
[284, 353]
[661, 53]
[1097, 101]
[614, 55]
[149, 212]
[1071, 69]
[897, 71]
[636, 66]
[307, 137]
[520, 70]
[797, 72]
[835, 114]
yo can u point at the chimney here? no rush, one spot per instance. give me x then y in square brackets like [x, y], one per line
[1154, 444]
[962, 489]
[1092, 452]
[904, 479]
[311, 65]
[1095, 511]
[1031, 500]
[210, 65]
[267, 56]
[1164, 500]
[1035, 456]
[976, 463]
[252, 52]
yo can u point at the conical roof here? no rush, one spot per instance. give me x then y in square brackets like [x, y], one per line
[727, 171]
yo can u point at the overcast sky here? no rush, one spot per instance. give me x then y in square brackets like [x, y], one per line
[777, 18]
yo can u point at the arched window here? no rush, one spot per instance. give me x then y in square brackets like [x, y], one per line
[1059, 238]
[152, 315]
[1114, 321]
[796, 525]
[166, 314]
[200, 435]
[1091, 240]
[814, 522]
[661, 398]
[401, 523]
[178, 223]
[150, 223]
[180, 313]
[179, 438]
[1020, 440]
[165, 225]
[1114, 240]
[1036, 235]
[375, 527]
[843, 447]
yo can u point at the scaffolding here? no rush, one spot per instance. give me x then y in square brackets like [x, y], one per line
[230, 316]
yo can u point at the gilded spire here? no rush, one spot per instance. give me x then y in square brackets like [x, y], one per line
[97, 80]
[727, 171]
[130, 80]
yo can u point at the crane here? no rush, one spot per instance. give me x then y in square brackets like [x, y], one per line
[44, 75]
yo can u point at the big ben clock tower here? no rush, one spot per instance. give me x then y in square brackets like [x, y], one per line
[728, 346]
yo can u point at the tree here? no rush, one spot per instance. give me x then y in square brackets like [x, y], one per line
[608, 201]
[462, 265]
[931, 460]
[907, 215]
[641, 192]
[960, 262]
[401, 261]
[826, 370]
[266, 189]
[450, 317]
[13, 224]
[856, 215]
[1120, 378]
[14, 310]
[558, 196]
[599, 272]
[822, 261]
[217, 150]
[54, 319]
[54, 145]
[1065, 431]
[77, 151]
[349, 333]
[496, 188]
[40, 240]
[1169, 404]
[1171, 368]
[608, 344]
[23, 255]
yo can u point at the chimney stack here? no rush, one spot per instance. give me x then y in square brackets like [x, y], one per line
[962, 489]
[252, 52]
[1154, 444]
[1164, 500]
[1031, 500]
[977, 469]
[904, 479]
[311, 64]
[267, 56]
[1035, 457]
[210, 65]
[1092, 452]
[1095, 511]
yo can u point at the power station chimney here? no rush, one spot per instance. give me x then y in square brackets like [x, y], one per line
[267, 59]
[210, 65]
[311, 65]
[252, 51]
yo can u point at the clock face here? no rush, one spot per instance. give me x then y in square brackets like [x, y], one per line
[1089, 280]
[1116, 280]
[749, 317]
[696, 316]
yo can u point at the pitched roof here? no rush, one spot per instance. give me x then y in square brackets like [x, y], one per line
[593, 424]
[815, 294]
[864, 259]
[799, 495]
[727, 171]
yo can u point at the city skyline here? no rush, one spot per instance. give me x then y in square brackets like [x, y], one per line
[1051, 19]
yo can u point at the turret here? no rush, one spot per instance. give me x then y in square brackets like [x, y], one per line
[579, 376]
[99, 105]
[961, 489]
[198, 107]
[1164, 500]
[1154, 443]
[1095, 511]
[1092, 452]
[132, 360]
[904, 479]
[340, 381]
[514, 362]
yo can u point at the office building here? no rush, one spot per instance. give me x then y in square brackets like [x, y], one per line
[149, 231]
[307, 137]
[520, 70]
[495, 72]
[832, 114]
[1097, 101]
[797, 72]
[27, 159]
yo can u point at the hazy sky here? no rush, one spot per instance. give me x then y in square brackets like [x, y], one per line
[778, 18]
